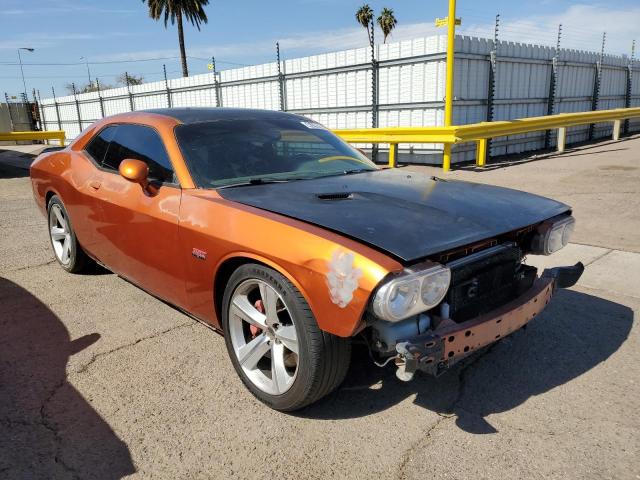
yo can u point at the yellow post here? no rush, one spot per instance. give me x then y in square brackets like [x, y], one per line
[562, 138]
[481, 152]
[616, 129]
[448, 99]
[392, 154]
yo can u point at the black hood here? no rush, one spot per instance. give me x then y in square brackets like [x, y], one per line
[406, 214]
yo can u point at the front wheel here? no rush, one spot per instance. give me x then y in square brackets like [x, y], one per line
[274, 342]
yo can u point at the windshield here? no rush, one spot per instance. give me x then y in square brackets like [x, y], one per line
[260, 149]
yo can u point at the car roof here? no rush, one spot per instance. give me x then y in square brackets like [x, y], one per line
[203, 114]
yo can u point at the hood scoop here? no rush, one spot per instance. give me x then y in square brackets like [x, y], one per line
[408, 216]
[335, 196]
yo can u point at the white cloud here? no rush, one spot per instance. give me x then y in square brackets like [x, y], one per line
[47, 40]
[296, 44]
[582, 28]
[66, 9]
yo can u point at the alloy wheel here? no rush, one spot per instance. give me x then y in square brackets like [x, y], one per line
[60, 234]
[263, 336]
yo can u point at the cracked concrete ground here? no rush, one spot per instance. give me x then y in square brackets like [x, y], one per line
[100, 380]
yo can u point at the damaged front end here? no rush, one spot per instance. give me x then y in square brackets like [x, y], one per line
[489, 294]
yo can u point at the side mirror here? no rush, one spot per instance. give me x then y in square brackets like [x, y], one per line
[135, 171]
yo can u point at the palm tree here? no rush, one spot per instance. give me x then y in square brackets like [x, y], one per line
[364, 16]
[387, 22]
[176, 10]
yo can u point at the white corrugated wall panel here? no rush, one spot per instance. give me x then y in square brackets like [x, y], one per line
[90, 111]
[409, 92]
[113, 106]
[613, 81]
[145, 102]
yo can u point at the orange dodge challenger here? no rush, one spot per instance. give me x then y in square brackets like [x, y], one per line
[288, 241]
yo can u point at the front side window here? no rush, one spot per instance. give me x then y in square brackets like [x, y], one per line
[235, 151]
[99, 144]
[138, 142]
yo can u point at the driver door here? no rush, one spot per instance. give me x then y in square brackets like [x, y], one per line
[137, 231]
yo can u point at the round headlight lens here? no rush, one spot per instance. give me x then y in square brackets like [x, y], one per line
[402, 297]
[434, 287]
[412, 292]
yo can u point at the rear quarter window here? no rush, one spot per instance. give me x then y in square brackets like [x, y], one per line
[98, 146]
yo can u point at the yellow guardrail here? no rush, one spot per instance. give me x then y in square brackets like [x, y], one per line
[35, 135]
[483, 131]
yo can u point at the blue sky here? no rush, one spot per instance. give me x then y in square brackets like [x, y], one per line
[244, 32]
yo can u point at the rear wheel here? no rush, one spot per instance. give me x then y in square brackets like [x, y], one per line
[274, 342]
[66, 248]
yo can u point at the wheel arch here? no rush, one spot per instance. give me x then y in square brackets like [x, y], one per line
[48, 196]
[231, 263]
[50, 192]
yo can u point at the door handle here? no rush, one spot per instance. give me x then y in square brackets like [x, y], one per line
[95, 184]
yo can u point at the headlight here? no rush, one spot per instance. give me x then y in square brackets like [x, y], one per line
[411, 293]
[552, 235]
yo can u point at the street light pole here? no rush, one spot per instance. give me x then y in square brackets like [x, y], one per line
[86, 61]
[24, 84]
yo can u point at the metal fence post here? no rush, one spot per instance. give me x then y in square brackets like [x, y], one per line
[281, 82]
[216, 84]
[75, 98]
[100, 101]
[594, 96]
[627, 96]
[35, 113]
[596, 84]
[43, 118]
[6, 97]
[553, 82]
[492, 70]
[131, 106]
[374, 91]
[485, 151]
[55, 103]
[166, 85]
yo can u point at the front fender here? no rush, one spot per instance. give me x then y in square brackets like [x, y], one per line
[335, 275]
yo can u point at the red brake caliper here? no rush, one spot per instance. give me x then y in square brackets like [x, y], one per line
[252, 328]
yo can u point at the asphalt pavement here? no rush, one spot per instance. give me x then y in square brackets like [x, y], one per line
[100, 380]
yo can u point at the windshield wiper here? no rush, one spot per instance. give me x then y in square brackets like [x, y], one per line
[258, 181]
[267, 180]
[346, 172]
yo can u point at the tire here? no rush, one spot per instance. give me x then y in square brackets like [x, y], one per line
[321, 362]
[62, 237]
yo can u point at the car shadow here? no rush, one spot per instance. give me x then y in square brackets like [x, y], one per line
[566, 341]
[47, 428]
[14, 164]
